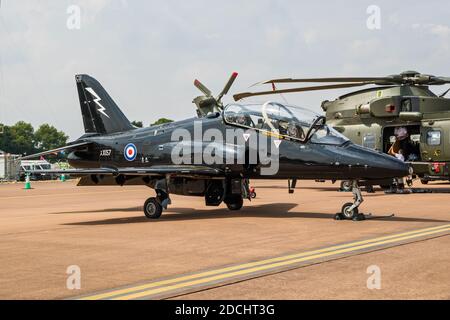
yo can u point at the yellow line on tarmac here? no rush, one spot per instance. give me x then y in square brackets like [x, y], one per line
[251, 267]
[266, 267]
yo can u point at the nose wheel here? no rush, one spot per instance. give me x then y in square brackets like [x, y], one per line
[350, 210]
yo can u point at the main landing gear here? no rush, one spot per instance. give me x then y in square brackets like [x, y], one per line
[350, 210]
[234, 202]
[154, 206]
[232, 192]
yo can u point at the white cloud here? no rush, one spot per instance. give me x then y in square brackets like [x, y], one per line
[310, 36]
[440, 30]
[434, 29]
[275, 36]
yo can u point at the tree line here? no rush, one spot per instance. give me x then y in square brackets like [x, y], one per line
[140, 124]
[21, 138]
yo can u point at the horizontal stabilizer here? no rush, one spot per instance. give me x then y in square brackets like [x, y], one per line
[57, 150]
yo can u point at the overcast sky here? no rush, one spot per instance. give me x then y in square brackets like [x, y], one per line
[147, 53]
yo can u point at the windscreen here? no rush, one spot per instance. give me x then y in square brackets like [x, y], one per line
[288, 121]
[327, 135]
[284, 120]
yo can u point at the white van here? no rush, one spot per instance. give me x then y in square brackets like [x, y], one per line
[31, 165]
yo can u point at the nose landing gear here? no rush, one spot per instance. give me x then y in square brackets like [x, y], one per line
[350, 210]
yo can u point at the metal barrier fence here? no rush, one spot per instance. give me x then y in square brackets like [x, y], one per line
[9, 167]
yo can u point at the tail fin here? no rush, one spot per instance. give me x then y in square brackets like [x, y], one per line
[100, 112]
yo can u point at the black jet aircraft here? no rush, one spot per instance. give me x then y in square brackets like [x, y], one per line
[215, 155]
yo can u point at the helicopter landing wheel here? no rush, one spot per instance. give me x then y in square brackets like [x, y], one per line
[152, 208]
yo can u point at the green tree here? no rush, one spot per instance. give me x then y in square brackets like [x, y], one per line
[22, 138]
[5, 138]
[47, 137]
[161, 121]
[138, 124]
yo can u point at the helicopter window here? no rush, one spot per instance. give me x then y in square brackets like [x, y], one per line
[369, 141]
[406, 105]
[434, 138]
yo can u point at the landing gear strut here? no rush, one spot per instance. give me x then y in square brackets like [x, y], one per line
[350, 210]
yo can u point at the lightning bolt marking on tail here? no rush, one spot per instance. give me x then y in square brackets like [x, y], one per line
[97, 100]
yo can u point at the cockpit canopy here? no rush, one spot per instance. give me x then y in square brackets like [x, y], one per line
[287, 121]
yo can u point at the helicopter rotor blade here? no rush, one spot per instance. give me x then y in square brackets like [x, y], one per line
[439, 80]
[200, 86]
[227, 86]
[404, 78]
[336, 79]
[243, 95]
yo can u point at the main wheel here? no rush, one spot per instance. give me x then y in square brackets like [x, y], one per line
[234, 203]
[424, 181]
[152, 208]
[253, 195]
[349, 214]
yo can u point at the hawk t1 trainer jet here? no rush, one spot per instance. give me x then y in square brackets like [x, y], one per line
[215, 155]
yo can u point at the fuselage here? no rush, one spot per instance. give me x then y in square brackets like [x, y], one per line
[154, 146]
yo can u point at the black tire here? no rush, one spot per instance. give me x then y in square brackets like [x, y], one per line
[152, 208]
[349, 214]
[234, 203]
[253, 195]
[424, 181]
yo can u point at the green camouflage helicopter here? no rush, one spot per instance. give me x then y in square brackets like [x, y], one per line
[400, 115]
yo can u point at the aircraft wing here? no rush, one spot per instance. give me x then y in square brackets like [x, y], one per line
[53, 151]
[138, 171]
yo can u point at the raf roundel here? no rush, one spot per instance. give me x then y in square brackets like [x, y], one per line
[130, 152]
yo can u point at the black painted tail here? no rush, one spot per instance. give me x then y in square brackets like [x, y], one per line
[100, 113]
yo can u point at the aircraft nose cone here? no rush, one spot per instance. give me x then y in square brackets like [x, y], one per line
[389, 167]
[373, 164]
